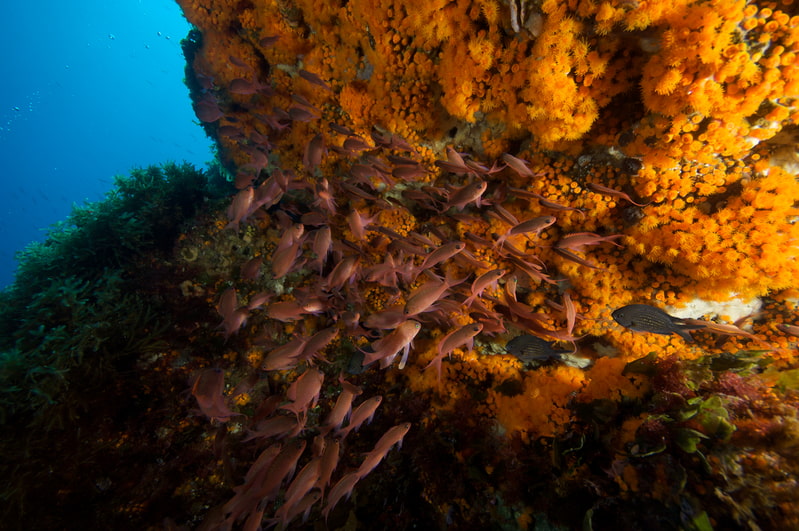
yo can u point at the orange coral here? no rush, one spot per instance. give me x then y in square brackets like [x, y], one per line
[687, 108]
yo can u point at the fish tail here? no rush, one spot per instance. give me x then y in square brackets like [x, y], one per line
[685, 334]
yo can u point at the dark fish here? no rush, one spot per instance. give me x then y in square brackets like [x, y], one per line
[532, 349]
[208, 111]
[645, 318]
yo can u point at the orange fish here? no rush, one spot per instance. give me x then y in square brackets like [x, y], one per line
[600, 189]
[314, 151]
[518, 165]
[322, 245]
[265, 483]
[207, 389]
[387, 348]
[363, 413]
[278, 427]
[304, 392]
[285, 356]
[329, 460]
[358, 224]
[239, 209]
[460, 336]
[314, 79]
[535, 225]
[318, 342]
[460, 197]
[343, 488]
[577, 241]
[282, 468]
[483, 282]
[343, 273]
[427, 295]
[341, 409]
[445, 252]
[297, 489]
[387, 441]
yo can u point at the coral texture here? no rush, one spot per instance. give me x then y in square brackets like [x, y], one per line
[390, 156]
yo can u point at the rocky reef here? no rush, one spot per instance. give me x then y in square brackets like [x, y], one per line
[414, 186]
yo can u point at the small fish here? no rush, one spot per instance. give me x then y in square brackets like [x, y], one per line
[533, 349]
[208, 111]
[300, 486]
[518, 165]
[645, 318]
[578, 240]
[208, 389]
[342, 489]
[268, 41]
[409, 172]
[314, 79]
[535, 225]
[262, 463]
[428, 294]
[322, 245]
[304, 391]
[600, 189]
[789, 329]
[285, 356]
[483, 282]
[454, 163]
[342, 408]
[244, 86]
[340, 129]
[460, 197]
[387, 348]
[355, 144]
[300, 114]
[358, 224]
[239, 208]
[314, 151]
[330, 457]
[278, 427]
[281, 468]
[445, 252]
[363, 413]
[387, 441]
[344, 272]
[252, 268]
[454, 339]
[317, 343]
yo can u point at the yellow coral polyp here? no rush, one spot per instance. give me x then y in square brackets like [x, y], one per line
[482, 51]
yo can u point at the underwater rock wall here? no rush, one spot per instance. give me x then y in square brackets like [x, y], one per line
[420, 183]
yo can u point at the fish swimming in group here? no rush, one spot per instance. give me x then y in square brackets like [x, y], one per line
[645, 318]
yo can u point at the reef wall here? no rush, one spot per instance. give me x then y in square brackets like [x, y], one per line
[421, 182]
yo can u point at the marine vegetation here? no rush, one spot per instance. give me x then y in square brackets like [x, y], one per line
[487, 265]
[88, 304]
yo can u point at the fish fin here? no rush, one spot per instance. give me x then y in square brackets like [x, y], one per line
[685, 333]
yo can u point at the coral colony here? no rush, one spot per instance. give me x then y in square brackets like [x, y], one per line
[493, 265]
[424, 182]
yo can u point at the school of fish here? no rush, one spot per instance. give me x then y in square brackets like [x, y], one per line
[333, 236]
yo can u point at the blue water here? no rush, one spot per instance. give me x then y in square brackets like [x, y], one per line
[90, 89]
